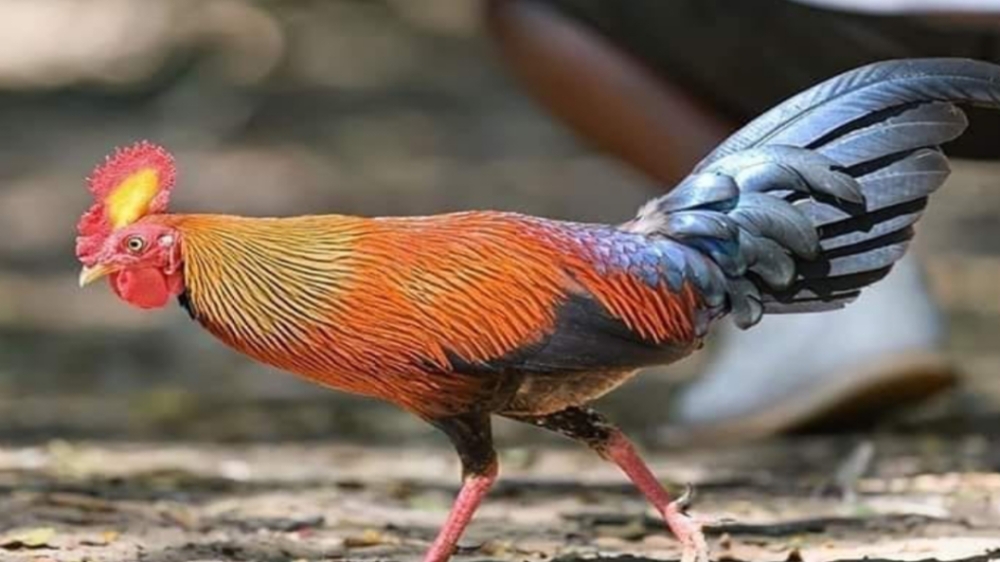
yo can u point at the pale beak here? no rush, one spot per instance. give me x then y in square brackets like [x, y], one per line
[90, 274]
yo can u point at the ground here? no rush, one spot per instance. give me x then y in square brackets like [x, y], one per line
[850, 498]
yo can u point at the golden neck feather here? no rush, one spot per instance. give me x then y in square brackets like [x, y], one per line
[257, 282]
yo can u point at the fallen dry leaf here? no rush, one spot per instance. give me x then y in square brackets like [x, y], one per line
[28, 539]
[370, 537]
[495, 548]
[104, 539]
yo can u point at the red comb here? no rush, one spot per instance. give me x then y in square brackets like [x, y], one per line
[126, 161]
[96, 224]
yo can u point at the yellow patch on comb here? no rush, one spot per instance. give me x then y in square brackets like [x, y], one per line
[132, 183]
[130, 200]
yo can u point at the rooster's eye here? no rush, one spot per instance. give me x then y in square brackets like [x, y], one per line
[135, 244]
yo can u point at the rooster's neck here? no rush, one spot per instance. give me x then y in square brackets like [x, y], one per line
[261, 285]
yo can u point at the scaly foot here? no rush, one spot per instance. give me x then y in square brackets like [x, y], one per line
[687, 530]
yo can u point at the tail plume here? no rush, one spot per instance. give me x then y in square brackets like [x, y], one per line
[816, 199]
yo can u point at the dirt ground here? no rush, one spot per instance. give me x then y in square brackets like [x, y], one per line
[891, 498]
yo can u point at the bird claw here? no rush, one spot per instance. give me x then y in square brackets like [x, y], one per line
[686, 499]
[694, 547]
[686, 528]
[695, 555]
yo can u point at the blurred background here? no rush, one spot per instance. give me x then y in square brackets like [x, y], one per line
[374, 107]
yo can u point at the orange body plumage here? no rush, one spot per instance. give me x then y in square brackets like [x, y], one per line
[395, 308]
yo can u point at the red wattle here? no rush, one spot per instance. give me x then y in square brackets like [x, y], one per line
[144, 288]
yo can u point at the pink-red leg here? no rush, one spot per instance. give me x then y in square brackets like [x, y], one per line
[619, 450]
[609, 442]
[472, 437]
[474, 489]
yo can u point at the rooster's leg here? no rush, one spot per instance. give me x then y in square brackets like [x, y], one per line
[611, 444]
[472, 438]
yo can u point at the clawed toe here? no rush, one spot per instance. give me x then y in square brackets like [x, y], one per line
[686, 528]
[683, 503]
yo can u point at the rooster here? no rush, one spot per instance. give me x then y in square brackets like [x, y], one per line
[461, 317]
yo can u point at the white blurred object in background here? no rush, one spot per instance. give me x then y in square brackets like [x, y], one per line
[48, 44]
